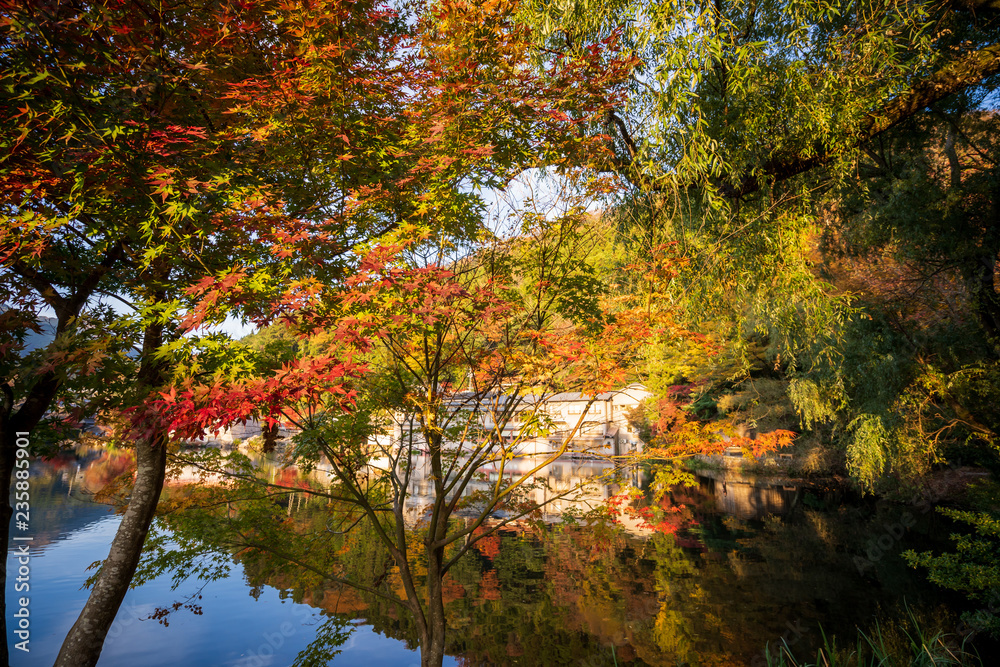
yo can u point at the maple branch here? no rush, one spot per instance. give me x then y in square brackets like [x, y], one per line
[89, 284]
[67, 307]
[45, 288]
[360, 500]
[117, 297]
[43, 391]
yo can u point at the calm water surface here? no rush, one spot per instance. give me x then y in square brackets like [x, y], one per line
[734, 564]
[239, 626]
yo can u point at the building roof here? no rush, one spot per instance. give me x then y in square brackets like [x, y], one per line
[470, 397]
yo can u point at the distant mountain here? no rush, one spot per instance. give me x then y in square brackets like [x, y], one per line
[33, 340]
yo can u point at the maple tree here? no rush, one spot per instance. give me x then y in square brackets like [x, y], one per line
[446, 361]
[452, 356]
[78, 217]
[131, 171]
[200, 160]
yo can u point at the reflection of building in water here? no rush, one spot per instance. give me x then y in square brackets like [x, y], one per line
[243, 431]
[564, 485]
[567, 484]
[750, 497]
[596, 425]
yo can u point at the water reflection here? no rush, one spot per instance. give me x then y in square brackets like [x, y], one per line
[748, 496]
[716, 574]
[578, 485]
[240, 626]
[63, 491]
[569, 484]
[713, 593]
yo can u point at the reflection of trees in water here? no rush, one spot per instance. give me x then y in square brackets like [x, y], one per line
[109, 467]
[708, 589]
[67, 490]
[85, 471]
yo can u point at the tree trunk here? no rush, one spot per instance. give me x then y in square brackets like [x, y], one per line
[85, 640]
[82, 646]
[985, 300]
[432, 639]
[270, 434]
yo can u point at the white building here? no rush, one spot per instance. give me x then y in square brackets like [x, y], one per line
[594, 425]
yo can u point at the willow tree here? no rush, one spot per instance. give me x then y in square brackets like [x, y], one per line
[742, 120]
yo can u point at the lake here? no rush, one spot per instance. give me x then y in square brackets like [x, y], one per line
[735, 564]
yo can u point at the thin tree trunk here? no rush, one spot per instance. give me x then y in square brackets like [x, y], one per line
[270, 434]
[85, 640]
[430, 620]
[82, 646]
[432, 640]
[980, 280]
